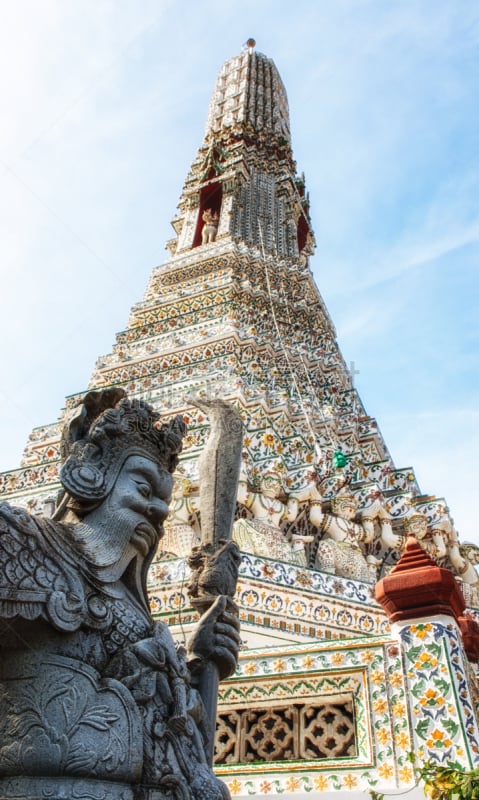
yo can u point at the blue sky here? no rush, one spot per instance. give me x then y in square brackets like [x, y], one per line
[103, 108]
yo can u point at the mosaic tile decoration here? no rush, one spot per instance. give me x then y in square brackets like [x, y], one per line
[278, 597]
[372, 670]
[446, 729]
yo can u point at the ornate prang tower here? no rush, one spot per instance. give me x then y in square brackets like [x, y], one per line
[333, 690]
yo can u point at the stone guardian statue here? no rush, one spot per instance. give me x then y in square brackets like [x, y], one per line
[96, 701]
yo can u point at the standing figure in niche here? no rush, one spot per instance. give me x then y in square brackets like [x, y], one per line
[210, 227]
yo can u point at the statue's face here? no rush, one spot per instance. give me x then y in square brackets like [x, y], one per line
[139, 502]
[345, 509]
[270, 486]
[131, 518]
[418, 527]
[121, 535]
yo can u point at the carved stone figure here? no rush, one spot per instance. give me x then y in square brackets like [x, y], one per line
[95, 699]
[345, 533]
[210, 227]
[470, 552]
[266, 507]
[415, 523]
[376, 522]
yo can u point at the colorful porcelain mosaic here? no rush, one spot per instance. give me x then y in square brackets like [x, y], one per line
[443, 708]
[371, 671]
[278, 597]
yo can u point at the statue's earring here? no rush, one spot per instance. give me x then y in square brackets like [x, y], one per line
[82, 481]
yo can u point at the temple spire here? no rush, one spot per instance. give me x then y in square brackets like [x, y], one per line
[249, 94]
[243, 184]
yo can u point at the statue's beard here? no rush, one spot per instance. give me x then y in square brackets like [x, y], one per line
[110, 541]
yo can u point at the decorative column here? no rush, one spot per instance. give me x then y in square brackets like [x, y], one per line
[425, 604]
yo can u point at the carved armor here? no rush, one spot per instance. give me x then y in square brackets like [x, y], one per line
[90, 687]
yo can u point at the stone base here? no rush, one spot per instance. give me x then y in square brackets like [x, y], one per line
[62, 788]
[65, 788]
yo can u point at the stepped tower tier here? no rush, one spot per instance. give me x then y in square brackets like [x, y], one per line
[323, 512]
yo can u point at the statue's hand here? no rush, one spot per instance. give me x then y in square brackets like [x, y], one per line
[216, 638]
[213, 573]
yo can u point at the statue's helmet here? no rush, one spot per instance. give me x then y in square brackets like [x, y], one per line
[102, 433]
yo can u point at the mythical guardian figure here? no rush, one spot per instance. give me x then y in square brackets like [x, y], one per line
[439, 539]
[96, 701]
[262, 534]
[346, 532]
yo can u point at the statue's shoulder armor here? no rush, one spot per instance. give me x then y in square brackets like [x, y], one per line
[36, 578]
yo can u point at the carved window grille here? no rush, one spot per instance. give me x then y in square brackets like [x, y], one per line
[299, 731]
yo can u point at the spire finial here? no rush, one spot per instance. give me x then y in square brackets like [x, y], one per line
[250, 44]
